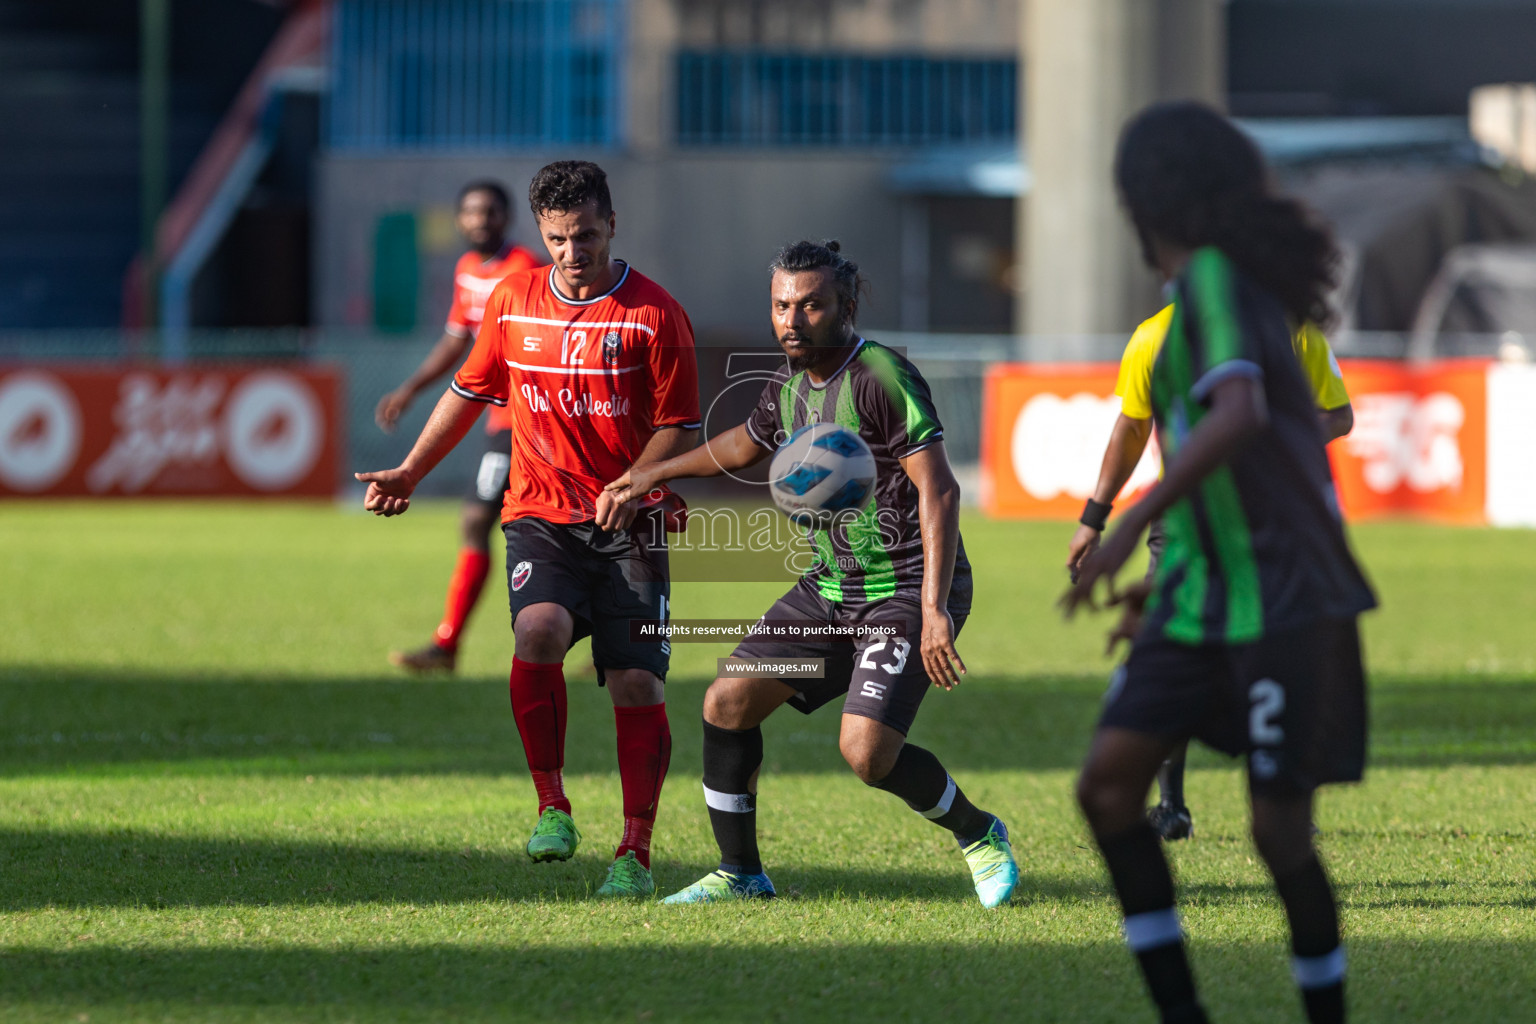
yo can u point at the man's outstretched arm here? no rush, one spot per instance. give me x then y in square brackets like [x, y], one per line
[1337, 422]
[1127, 442]
[1237, 412]
[389, 490]
[447, 354]
[666, 443]
[726, 452]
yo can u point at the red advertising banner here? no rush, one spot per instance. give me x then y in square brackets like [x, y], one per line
[1420, 444]
[185, 431]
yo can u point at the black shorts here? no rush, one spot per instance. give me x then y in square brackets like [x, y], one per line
[603, 579]
[881, 674]
[1294, 702]
[491, 478]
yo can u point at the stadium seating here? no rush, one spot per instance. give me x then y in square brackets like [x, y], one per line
[69, 188]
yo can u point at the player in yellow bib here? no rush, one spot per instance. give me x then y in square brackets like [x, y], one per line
[1128, 441]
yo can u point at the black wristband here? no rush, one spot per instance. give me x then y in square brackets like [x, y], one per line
[1095, 515]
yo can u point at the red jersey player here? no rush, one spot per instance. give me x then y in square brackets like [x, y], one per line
[485, 214]
[596, 363]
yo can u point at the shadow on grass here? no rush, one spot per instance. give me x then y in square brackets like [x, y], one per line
[78, 869]
[105, 722]
[664, 977]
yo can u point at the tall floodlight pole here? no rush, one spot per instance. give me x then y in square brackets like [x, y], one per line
[154, 121]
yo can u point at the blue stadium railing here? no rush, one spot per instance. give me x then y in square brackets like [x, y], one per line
[753, 98]
[475, 74]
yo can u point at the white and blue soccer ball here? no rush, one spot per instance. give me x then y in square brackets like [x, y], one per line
[824, 472]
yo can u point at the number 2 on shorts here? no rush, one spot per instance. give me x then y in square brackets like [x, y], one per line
[1268, 700]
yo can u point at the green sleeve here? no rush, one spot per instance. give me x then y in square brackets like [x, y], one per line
[907, 416]
[1213, 308]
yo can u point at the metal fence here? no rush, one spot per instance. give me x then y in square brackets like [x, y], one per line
[468, 74]
[777, 99]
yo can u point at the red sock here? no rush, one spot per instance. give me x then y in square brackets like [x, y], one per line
[645, 751]
[538, 704]
[463, 591]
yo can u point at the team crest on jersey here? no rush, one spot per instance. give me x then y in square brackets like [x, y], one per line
[520, 573]
[612, 344]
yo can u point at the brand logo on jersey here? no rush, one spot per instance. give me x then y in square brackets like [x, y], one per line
[574, 403]
[530, 343]
[612, 346]
[520, 573]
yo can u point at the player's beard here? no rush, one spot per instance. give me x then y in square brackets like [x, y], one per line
[813, 345]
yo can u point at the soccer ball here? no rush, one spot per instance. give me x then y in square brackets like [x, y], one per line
[823, 472]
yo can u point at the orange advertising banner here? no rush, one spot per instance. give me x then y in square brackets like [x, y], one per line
[1043, 432]
[151, 431]
[1419, 445]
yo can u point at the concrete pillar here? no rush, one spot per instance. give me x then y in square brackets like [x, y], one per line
[1191, 58]
[1088, 66]
[649, 77]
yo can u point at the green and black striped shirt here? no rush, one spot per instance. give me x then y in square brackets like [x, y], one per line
[1259, 545]
[883, 398]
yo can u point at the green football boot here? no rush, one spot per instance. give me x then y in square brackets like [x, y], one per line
[628, 877]
[720, 886]
[555, 836]
[993, 868]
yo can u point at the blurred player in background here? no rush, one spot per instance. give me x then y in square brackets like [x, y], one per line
[1128, 440]
[597, 365]
[900, 565]
[1247, 637]
[484, 218]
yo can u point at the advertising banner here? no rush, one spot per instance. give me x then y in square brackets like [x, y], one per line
[184, 431]
[1445, 440]
[1420, 441]
[1043, 432]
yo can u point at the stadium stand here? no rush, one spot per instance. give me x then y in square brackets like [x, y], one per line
[69, 102]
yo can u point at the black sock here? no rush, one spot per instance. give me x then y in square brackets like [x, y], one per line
[1317, 954]
[730, 759]
[1170, 778]
[920, 780]
[1145, 887]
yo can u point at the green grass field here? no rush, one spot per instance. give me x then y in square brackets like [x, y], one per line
[219, 803]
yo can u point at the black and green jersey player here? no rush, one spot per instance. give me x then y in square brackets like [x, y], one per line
[1245, 638]
[879, 395]
[889, 589]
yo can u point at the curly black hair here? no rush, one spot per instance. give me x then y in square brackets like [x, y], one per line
[1190, 178]
[568, 184]
[808, 255]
